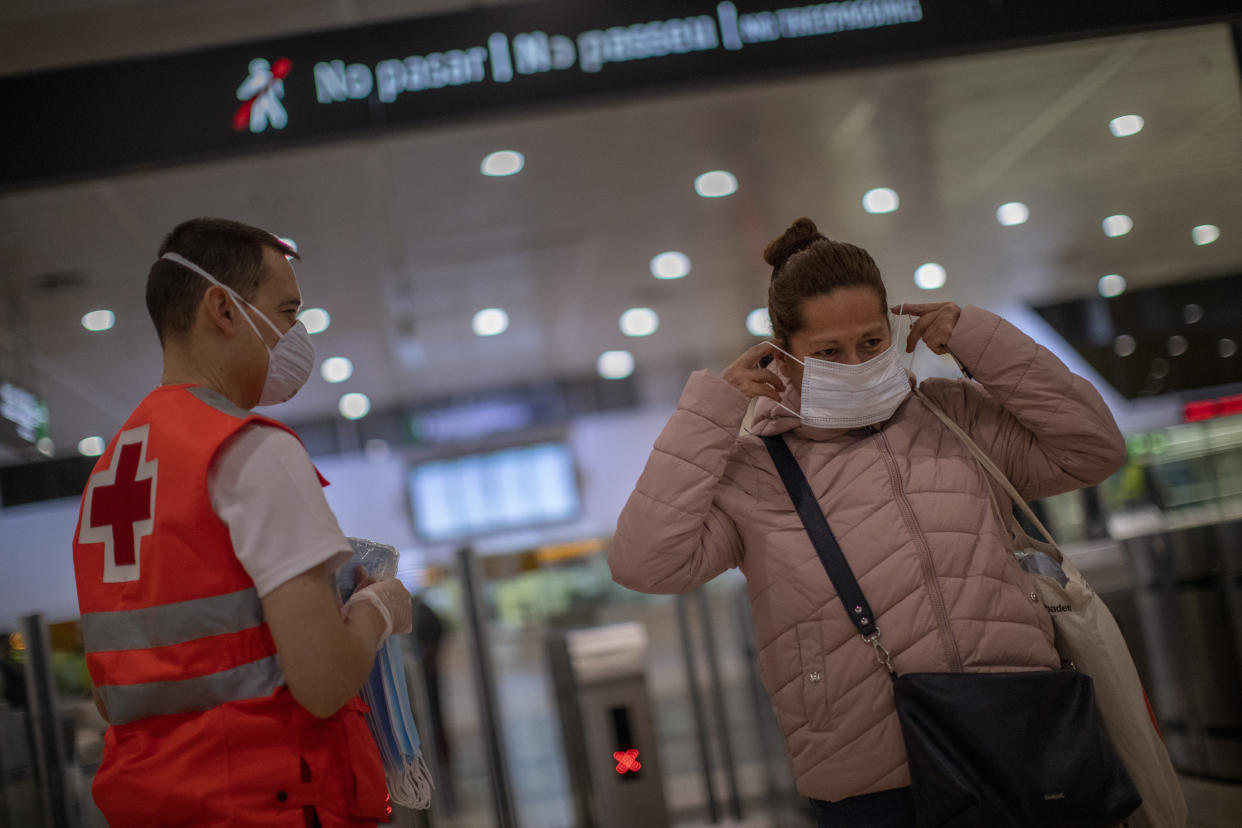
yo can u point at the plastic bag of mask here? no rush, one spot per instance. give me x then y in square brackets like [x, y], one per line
[385, 692]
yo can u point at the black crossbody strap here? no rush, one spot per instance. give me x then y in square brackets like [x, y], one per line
[825, 543]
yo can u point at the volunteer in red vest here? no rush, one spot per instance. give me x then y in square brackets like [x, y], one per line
[205, 556]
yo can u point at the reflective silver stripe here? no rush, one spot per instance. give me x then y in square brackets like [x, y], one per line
[165, 624]
[218, 401]
[128, 702]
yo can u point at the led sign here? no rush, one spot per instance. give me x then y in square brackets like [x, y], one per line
[269, 94]
[23, 416]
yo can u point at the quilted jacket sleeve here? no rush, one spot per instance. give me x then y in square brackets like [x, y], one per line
[1046, 427]
[673, 534]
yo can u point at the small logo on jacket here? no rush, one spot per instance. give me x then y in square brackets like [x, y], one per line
[1050, 797]
[118, 507]
[1059, 608]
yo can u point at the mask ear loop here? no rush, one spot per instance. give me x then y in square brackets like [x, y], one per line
[795, 359]
[234, 295]
[901, 314]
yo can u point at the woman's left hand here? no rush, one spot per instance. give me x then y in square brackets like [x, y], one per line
[934, 324]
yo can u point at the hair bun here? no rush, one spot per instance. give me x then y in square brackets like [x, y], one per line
[800, 235]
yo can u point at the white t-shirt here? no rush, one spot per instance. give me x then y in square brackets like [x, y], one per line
[264, 488]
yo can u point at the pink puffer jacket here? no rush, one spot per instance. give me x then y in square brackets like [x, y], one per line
[911, 511]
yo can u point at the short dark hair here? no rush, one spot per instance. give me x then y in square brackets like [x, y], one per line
[805, 264]
[228, 250]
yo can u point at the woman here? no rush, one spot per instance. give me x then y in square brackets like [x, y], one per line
[909, 506]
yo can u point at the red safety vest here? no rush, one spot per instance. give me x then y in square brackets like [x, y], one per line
[204, 730]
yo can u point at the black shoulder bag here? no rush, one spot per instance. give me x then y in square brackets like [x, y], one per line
[985, 750]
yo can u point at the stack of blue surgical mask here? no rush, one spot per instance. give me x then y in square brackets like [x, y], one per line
[385, 691]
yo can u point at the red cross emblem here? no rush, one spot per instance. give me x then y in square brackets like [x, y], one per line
[118, 509]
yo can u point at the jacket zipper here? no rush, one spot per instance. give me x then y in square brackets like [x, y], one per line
[952, 655]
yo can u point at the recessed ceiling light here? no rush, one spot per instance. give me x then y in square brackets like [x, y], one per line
[1126, 125]
[1205, 234]
[98, 320]
[45, 446]
[639, 322]
[336, 369]
[376, 450]
[1117, 225]
[1159, 367]
[759, 323]
[354, 406]
[504, 162]
[1176, 345]
[316, 320]
[1124, 345]
[1192, 313]
[716, 184]
[1112, 285]
[881, 200]
[91, 446]
[490, 322]
[670, 265]
[1226, 348]
[930, 276]
[615, 364]
[1013, 213]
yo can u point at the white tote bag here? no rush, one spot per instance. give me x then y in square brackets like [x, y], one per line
[1088, 636]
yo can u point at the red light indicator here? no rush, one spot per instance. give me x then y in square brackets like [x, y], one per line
[627, 761]
[1193, 412]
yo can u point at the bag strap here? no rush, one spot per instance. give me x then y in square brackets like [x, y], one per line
[988, 465]
[826, 546]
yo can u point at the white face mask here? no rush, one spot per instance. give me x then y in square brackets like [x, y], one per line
[289, 364]
[851, 396]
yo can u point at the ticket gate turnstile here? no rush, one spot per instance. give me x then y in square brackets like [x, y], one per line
[599, 676]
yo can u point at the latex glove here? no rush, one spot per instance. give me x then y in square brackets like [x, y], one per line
[391, 600]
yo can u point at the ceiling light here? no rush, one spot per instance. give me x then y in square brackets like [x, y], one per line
[91, 446]
[1176, 345]
[316, 320]
[1124, 345]
[490, 321]
[615, 364]
[1112, 285]
[336, 369]
[759, 323]
[1192, 313]
[930, 276]
[1226, 348]
[1125, 125]
[670, 265]
[504, 162]
[1159, 367]
[639, 322]
[45, 446]
[1205, 234]
[98, 320]
[376, 450]
[881, 200]
[1013, 213]
[715, 184]
[354, 406]
[1117, 225]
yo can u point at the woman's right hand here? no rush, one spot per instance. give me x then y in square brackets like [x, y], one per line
[746, 375]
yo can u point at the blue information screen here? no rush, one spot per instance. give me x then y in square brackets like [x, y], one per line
[478, 494]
